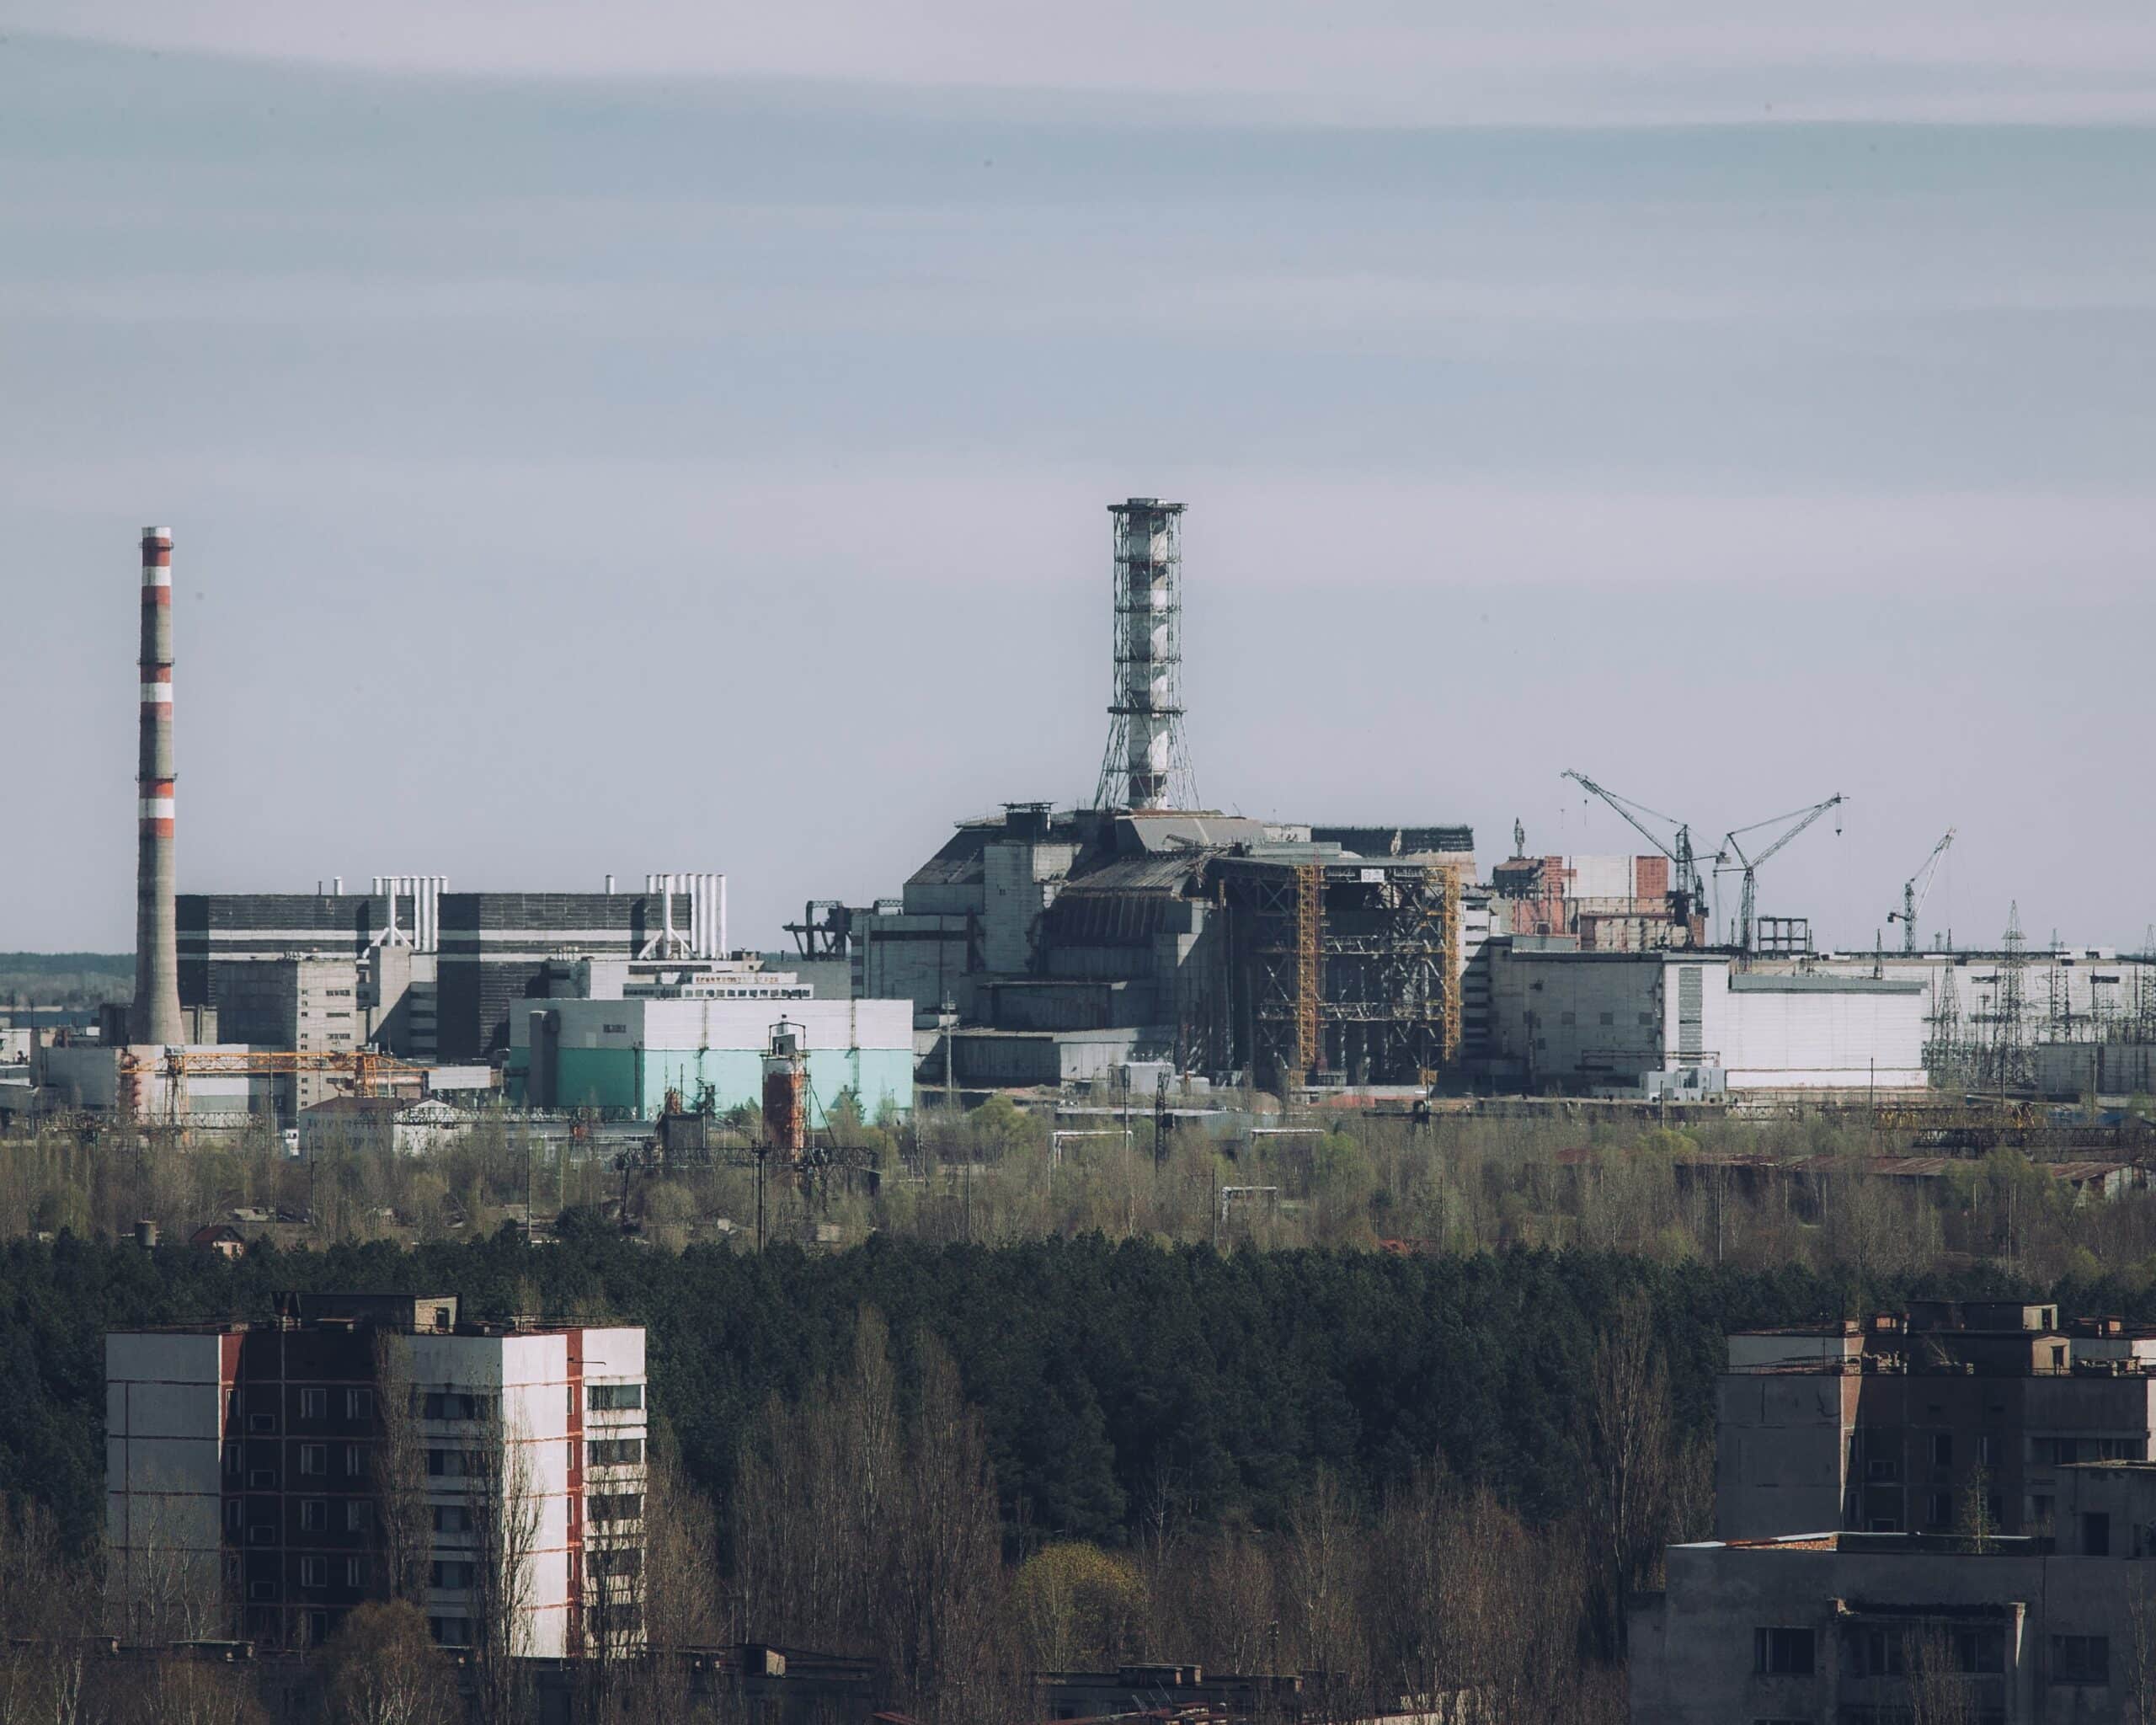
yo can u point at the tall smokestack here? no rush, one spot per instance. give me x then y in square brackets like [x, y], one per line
[155, 1017]
[1145, 766]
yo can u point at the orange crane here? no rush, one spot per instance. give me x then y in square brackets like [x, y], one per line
[365, 1071]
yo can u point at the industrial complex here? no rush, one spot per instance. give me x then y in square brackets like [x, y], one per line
[1143, 937]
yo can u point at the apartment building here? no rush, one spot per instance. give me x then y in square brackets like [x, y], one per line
[1861, 1629]
[1924, 1421]
[265, 1467]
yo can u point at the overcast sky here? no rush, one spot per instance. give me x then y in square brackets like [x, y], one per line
[677, 434]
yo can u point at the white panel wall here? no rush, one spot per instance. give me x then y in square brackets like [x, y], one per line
[1810, 1038]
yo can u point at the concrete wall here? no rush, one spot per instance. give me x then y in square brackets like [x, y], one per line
[2067, 1070]
[1694, 1648]
[1019, 875]
[920, 958]
[1781, 1452]
[164, 1428]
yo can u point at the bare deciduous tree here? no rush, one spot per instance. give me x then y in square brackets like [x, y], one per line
[502, 1484]
[1939, 1693]
[382, 1668]
[404, 1520]
[1630, 1444]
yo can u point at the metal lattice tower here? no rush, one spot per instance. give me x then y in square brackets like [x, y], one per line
[1145, 765]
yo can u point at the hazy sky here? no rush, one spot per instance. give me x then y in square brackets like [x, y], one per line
[676, 435]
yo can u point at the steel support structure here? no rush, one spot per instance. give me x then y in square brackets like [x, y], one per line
[1340, 971]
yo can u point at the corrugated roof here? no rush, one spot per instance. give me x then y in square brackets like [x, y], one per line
[1171, 873]
[959, 862]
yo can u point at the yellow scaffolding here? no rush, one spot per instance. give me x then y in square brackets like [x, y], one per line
[1310, 962]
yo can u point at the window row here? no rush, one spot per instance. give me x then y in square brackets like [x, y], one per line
[1787, 1651]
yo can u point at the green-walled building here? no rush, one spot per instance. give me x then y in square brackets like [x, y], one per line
[623, 1055]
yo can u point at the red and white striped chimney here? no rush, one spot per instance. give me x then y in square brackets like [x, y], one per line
[155, 1017]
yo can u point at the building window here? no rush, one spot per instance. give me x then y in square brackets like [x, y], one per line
[449, 1573]
[261, 1535]
[234, 1509]
[1942, 1448]
[314, 1404]
[621, 1506]
[448, 1464]
[1986, 1449]
[1942, 1509]
[2095, 1534]
[314, 1572]
[314, 1458]
[1882, 1653]
[355, 1573]
[234, 1566]
[358, 1404]
[453, 1518]
[355, 1461]
[1979, 1651]
[2081, 1658]
[450, 1404]
[613, 1398]
[622, 1560]
[358, 1516]
[1782, 1652]
[314, 1515]
[451, 1631]
[614, 1452]
[262, 1479]
[260, 1590]
[317, 1628]
[233, 1463]
[1564, 1017]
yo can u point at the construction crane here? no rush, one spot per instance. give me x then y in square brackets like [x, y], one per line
[1916, 890]
[1687, 889]
[1749, 867]
[366, 1071]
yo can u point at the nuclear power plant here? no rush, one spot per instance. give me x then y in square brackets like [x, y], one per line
[1138, 940]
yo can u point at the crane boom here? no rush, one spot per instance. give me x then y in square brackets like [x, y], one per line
[1751, 865]
[1678, 849]
[1916, 890]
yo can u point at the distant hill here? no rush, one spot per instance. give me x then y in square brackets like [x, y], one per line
[65, 978]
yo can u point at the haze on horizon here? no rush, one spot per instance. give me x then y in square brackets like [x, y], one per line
[683, 442]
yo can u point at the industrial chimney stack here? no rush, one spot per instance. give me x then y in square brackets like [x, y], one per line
[1145, 766]
[155, 1017]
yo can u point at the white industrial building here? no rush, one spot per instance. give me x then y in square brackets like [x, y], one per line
[245, 1465]
[1680, 1022]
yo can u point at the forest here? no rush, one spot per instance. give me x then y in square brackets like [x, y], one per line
[1417, 1409]
[1245, 1458]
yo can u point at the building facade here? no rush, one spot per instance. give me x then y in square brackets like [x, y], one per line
[1864, 1629]
[1925, 1420]
[623, 1055]
[268, 1467]
[1561, 1018]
